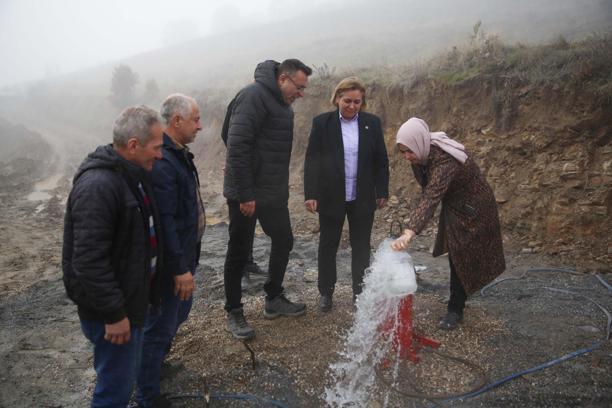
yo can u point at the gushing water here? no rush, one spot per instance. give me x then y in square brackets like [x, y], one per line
[387, 281]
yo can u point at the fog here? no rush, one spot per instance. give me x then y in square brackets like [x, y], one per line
[44, 38]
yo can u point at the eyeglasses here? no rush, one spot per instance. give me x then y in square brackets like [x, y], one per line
[300, 88]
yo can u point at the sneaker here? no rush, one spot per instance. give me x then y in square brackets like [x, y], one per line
[281, 306]
[238, 326]
[325, 303]
[451, 321]
[252, 267]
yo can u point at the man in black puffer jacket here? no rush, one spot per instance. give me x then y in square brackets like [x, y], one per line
[256, 184]
[111, 249]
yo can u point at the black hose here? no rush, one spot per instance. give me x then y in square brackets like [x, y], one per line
[603, 282]
[230, 396]
[479, 382]
[494, 283]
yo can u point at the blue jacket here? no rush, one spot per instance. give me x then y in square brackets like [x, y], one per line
[175, 187]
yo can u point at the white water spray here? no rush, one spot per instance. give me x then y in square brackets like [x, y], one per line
[388, 280]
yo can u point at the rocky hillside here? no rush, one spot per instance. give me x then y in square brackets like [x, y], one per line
[23, 157]
[538, 120]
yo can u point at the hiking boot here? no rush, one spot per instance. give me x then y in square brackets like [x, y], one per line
[451, 321]
[281, 306]
[325, 303]
[161, 401]
[252, 267]
[170, 369]
[238, 326]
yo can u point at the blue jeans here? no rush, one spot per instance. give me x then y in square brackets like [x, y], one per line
[116, 366]
[161, 326]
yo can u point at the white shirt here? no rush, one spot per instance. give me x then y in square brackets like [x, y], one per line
[350, 139]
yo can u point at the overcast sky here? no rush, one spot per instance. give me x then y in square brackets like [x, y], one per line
[40, 38]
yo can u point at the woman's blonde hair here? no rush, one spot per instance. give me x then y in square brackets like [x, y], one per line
[349, 84]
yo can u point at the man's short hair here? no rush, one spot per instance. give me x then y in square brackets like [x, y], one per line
[134, 122]
[349, 84]
[292, 65]
[177, 103]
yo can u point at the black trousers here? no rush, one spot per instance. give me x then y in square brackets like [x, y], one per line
[275, 224]
[458, 296]
[360, 229]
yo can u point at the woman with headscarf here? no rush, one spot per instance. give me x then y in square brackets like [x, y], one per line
[346, 175]
[468, 228]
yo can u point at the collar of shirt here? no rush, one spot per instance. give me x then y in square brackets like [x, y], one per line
[354, 119]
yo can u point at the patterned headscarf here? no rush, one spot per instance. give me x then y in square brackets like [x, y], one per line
[415, 135]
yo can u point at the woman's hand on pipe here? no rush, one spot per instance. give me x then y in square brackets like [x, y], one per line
[402, 242]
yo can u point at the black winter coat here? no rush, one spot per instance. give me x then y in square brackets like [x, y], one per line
[106, 255]
[259, 140]
[324, 179]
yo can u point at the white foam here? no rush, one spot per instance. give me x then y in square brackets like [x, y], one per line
[387, 281]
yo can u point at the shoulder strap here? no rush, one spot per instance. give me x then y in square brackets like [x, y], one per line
[226, 121]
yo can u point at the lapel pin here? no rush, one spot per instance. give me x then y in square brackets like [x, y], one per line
[367, 127]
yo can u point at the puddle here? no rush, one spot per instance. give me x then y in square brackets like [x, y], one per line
[42, 188]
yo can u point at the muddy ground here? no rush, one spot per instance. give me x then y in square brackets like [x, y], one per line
[45, 361]
[518, 324]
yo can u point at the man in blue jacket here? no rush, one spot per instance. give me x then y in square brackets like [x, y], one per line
[112, 250]
[176, 189]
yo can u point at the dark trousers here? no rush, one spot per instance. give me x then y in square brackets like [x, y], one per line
[275, 224]
[116, 365]
[250, 259]
[360, 228]
[458, 296]
[161, 325]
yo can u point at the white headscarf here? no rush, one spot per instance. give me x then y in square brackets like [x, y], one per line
[415, 135]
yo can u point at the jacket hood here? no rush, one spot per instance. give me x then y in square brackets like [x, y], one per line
[105, 157]
[265, 74]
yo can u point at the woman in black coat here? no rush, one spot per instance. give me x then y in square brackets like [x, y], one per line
[346, 174]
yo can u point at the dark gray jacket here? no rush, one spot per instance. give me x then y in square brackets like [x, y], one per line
[106, 254]
[259, 140]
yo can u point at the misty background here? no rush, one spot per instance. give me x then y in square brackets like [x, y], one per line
[70, 66]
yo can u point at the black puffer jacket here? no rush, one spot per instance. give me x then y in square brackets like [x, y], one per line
[259, 139]
[106, 256]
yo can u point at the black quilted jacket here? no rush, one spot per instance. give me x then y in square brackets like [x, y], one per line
[259, 139]
[106, 257]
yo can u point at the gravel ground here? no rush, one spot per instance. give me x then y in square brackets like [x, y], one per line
[46, 362]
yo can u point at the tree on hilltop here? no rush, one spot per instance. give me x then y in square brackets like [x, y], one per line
[122, 86]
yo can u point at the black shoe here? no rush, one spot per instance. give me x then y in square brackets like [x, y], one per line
[161, 401]
[451, 321]
[325, 303]
[252, 267]
[281, 306]
[169, 370]
[238, 326]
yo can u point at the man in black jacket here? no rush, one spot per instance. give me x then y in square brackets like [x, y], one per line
[176, 189]
[256, 184]
[111, 250]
